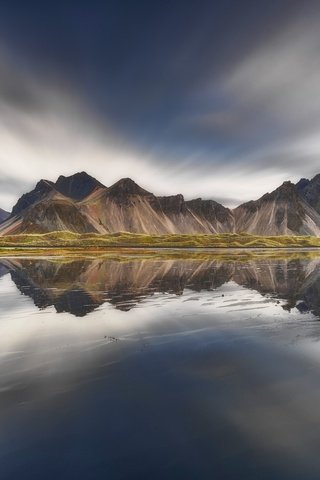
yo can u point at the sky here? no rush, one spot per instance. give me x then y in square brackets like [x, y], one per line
[212, 99]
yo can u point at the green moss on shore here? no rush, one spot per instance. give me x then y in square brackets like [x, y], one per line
[69, 240]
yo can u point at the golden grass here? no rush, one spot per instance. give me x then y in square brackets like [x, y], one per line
[62, 243]
[92, 240]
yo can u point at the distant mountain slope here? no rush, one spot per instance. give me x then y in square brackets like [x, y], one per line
[41, 190]
[282, 212]
[77, 187]
[125, 206]
[3, 215]
[80, 203]
[310, 191]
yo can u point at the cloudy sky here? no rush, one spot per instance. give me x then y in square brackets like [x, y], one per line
[219, 99]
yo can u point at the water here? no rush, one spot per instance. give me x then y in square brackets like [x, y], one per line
[160, 367]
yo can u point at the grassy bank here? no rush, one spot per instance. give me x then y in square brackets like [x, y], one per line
[89, 241]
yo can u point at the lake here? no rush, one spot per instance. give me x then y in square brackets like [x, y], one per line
[166, 366]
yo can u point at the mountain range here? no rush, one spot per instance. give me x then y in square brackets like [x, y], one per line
[80, 203]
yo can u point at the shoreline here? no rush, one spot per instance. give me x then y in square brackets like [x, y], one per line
[115, 251]
[75, 243]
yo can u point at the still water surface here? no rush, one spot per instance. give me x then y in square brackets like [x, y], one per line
[152, 368]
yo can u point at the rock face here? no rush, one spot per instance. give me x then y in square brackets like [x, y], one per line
[41, 190]
[282, 212]
[125, 206]
[55, 214]
[80, 203]
[77, 186]
[310, 191]
[213, 212]
[3, 215]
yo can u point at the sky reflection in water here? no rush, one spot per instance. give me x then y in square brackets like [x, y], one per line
[160, 368]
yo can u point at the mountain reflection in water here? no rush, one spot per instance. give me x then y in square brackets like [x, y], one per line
[79, 286]
[164, 367]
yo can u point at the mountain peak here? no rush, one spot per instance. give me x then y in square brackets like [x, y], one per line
[286, 191]
[287, 186]
[316, 178]
[302, 184]
[44, 184]
[310, 191]
[126, 182]
[42, 188]
[76, 175]
[77, 186]
[126, 186]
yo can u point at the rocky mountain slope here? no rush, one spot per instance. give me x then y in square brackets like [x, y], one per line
[282, 212]
[124, 206]
[310, 191]
[3, 215]
[80, 203]
[76, 187]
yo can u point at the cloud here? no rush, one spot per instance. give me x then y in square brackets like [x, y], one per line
[257, 121]
[271, 108]
[54, 131]
[48, 129]
[224, 113]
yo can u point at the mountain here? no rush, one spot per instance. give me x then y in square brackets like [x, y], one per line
[310, 191]
[212, 213]
[281, 212]
[77, 186]
[52, 206]
[80, 203]
[3, 215]
[126, 206]
[41, 190]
